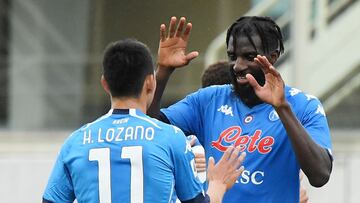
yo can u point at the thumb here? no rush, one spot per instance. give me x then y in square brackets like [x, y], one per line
[190, 56]
[253, 82]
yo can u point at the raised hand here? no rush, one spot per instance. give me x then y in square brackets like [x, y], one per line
[273, 90]
[173, 44]
[228, 169]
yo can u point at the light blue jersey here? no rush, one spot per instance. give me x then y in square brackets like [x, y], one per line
[124, 156]
[220, 119]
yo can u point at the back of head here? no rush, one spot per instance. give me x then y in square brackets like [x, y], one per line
[216, 74]
[268, 31]
[126, 64]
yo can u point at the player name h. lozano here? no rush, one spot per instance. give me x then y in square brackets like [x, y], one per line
[250, 143]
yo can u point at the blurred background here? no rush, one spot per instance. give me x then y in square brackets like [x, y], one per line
[50, 69]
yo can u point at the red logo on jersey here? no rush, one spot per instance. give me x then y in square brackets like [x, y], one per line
[250, 143]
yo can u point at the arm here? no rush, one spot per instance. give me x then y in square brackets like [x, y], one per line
[314, 160]
[171, 55]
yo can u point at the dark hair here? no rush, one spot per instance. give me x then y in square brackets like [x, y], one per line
[126, 63]
[216, 74]
[268, 31]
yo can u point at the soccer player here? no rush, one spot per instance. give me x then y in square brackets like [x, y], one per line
[219, 74]
[281, 128]
[126, 156]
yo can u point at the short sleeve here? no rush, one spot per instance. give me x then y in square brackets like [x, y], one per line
[59, 187]
[187, 185]
[188, 114]
[315, 122]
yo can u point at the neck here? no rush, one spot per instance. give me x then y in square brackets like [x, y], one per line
[128, 103]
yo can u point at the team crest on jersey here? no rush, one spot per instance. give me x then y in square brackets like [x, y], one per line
[248, 119]
[273, 116]
[250, 143]
[227, 110]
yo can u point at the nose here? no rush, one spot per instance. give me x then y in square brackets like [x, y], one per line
[240, 64]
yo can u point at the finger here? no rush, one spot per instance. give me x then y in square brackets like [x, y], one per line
[200, 167]
[190, 56]
[253, 82]
[192, 141]
[200, 156]
[240, 160]
[162, 32]
[266, 65]
[187, 31]
[240, 171]
[180, 27]
[172, 26]
[262, 64]
[211, 164]
[234, 176]
[200, 160]
[234, 155]
[227, 154]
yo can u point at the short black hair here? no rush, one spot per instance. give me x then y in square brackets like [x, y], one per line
[216, 74]
[126, 64]
[268, 31]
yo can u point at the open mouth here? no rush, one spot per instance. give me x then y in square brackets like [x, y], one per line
[241, 77]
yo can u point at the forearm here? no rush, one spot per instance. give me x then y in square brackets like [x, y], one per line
[313, 159]
[162, 76]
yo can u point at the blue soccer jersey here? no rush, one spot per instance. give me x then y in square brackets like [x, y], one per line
[220, 119]
[124, 156]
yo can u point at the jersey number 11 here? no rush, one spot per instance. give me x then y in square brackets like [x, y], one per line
[102, 156]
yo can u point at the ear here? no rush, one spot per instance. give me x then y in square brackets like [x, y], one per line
[105, 85]
[150, 83]
[273, 57]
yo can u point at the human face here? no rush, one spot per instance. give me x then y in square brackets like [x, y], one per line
[242, 56]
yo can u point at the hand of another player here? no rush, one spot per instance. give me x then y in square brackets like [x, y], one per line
[304, 198]
[173, 44]
[273, 90]
[200, 161]
[228, 169]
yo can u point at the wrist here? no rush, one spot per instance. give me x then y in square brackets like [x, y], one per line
[216, 191]
[282, 106]
[164, 70]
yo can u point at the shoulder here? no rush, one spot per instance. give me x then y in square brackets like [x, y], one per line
[213, 91]
[296, 94]
[302, 101]
[217, 89]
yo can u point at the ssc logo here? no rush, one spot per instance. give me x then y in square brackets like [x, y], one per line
[273, 116]
[248, 119]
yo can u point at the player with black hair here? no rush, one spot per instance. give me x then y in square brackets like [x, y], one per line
[126, 156]
[281, 128]
[216, 74]
[219, 74]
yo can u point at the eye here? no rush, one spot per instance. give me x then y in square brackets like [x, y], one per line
[231, 56]
[250, 57]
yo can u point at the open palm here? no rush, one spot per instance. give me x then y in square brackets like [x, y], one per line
[173, 44]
